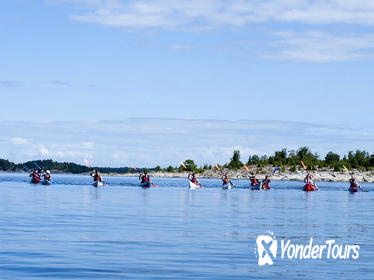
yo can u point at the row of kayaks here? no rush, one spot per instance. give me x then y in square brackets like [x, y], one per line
[193, 186]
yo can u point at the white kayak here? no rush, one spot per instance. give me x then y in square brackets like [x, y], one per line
[194, 186]
[227, 186]
[98, 184]
[145, 185]
[47, 182]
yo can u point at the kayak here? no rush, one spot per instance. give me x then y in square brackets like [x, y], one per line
[35, 180]
[309, 188]
[46, 182]
[145, 185]
[353, 189]
[98, 184]
[227, 186]
[258, 187]
[194, 186]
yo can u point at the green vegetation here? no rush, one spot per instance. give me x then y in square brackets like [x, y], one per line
[361, 160]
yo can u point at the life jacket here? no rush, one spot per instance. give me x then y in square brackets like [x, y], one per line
[194, 180]
[145, 179]
[226, 180]
[97, 178]
[353, 184]
[47, 177]
[254, 182]
[265, 184]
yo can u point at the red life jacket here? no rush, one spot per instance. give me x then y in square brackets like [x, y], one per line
[144, 179]
[226, 180]
[254, 182]
[47, 177]
[194, 180]
[97, 178]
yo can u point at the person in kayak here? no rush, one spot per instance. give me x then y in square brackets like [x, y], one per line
[254, 181]
[193, 179]
[310, 185]
[354, 185]
[35, 176]
[265, 183]
[96, 176]
[144, 178]
[226, 180]
[47, 176]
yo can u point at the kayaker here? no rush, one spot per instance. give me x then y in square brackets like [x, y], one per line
[35, 176]
[254, 181]
[310, 185]
[225, 179]
[96, 176]
[193, 179]
[47, 175]
[144, 178]
[354, 185]
[265, 183]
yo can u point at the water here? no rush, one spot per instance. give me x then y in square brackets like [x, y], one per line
[72, 230]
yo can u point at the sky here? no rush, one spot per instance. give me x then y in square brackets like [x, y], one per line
[79, 61]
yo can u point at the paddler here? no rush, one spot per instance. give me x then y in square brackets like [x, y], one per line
[253, 179]
[310, 185]
[47, 175]
[225, 179]
[35, 176]
[265, 183]
[354, 185]
[193, 179]
[144, 178]
[96, 176]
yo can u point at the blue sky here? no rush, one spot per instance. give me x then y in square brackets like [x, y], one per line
[92, 60]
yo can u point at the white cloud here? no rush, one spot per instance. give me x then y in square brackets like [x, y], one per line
[312, 46]
[43, 151]
[20, 141]
[216, 13]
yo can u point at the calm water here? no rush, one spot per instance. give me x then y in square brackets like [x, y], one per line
[72, 230]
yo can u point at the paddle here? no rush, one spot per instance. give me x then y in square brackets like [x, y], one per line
[306, 169]
[219, 169]
[346, 169]
[185, 167]
[28, 170]
[90, 166]
[37, 165]
[149, 182]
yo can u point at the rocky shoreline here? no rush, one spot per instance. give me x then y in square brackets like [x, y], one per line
[319, 175]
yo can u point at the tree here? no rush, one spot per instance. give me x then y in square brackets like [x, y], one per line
[190, 164]
[235, 162]
[331, 158]
[170, 169]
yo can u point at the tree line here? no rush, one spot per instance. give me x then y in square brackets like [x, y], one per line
[358, 159]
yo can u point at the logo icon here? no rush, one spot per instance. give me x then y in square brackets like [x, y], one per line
[267, 247]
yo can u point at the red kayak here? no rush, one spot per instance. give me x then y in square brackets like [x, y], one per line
[353, 189]
[309, 188]
[35, 180]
